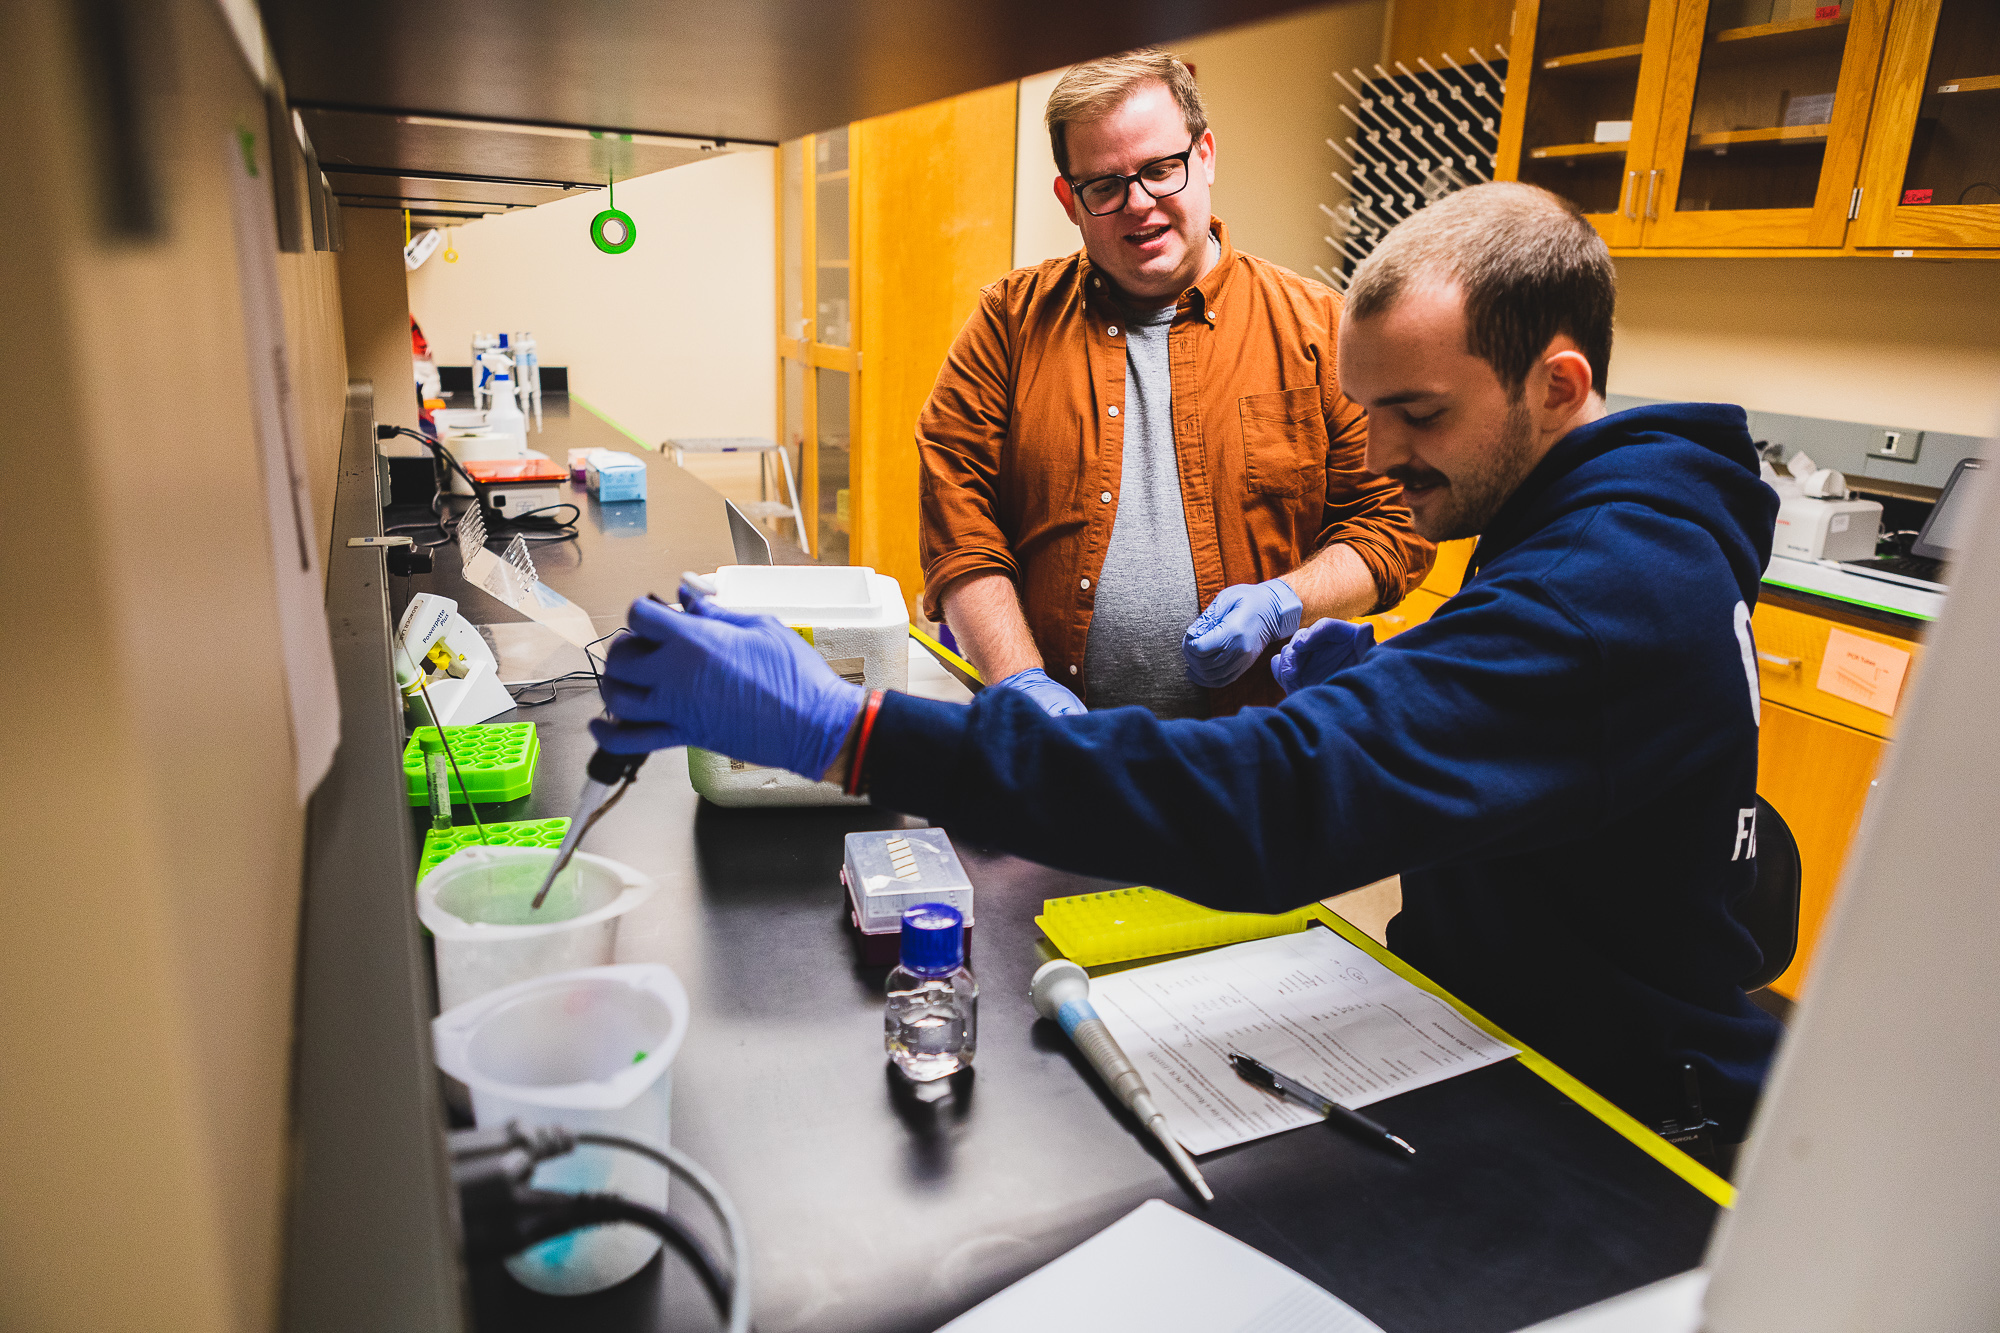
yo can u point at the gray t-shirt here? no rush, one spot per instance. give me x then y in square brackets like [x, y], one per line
[1146, 595]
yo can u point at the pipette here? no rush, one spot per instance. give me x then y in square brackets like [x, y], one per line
[607, 775]
[1061, 991]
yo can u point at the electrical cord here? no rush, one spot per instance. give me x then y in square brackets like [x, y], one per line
[561, 530]
[551, 682]
[502, 1215]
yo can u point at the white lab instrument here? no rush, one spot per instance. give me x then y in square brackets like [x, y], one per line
[1061, 992]
[441, 658]
[857, 620]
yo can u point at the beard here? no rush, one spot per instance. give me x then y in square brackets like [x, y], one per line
[1467, 502]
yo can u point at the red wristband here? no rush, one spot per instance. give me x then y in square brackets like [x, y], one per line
[852, 787]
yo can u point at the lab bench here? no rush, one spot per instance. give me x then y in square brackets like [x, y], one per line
[872, 1213]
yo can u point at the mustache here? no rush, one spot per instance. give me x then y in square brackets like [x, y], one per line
[1416, 478]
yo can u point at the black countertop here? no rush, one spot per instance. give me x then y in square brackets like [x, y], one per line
[870, 1212]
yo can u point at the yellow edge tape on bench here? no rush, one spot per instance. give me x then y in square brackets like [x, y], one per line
[1666, 1154]
[945, 655]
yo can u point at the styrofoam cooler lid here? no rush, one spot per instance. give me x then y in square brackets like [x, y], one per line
[831, 595]
[611, 1008]
[600, 887]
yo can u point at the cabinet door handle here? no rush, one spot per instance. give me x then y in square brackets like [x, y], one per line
[1652, 188]
[1625, 196]
[1788, 663]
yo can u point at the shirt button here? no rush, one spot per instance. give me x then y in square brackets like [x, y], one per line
[1113, 330]
[1072, 668]
[1211, 317]
[1086, 583]
[1105, 496]
[1114, 411]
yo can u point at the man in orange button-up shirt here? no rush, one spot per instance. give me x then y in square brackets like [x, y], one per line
[1149, 431]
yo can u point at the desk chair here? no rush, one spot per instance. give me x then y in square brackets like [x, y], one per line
[745, 444]
[1770, 910]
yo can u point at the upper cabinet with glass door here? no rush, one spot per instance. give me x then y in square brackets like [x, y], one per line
[1932, 173]
[1583, 98]
[1762, 126]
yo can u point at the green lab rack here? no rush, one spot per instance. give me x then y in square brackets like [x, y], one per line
[1096, 928]
[497, 762]
[440, 843]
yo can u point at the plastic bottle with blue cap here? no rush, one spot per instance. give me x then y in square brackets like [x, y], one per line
[931, 1024]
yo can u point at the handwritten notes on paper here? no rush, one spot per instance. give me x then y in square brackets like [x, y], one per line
[1312, 1005]
[1863, 671]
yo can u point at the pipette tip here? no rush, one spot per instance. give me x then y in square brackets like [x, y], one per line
[1401, 1144]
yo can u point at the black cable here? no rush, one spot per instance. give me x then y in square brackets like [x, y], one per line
[545, 1214]
[1977, 185]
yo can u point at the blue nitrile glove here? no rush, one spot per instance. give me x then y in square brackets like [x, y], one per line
[1239, 624]
[1055, 698]
[1314, 655]
[737, 684]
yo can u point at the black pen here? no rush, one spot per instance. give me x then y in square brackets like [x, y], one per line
[1269, 1079]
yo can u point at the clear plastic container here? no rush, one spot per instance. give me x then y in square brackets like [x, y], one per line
[590, 1050]
[931, 1024]
[477, 907]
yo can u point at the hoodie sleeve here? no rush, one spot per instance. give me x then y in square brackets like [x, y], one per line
[1475, 735]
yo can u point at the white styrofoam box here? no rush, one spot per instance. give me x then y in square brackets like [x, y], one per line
[856, 617]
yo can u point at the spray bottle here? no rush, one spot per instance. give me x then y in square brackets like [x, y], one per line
[503, 412]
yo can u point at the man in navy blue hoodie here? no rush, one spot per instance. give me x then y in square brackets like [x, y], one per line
[1561, 763]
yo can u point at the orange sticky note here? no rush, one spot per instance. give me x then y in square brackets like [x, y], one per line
[1863, 671]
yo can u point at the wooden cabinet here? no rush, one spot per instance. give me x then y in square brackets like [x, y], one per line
[1816, 774]
[1763, 120]
[1931, 173]
[1584, 84]
[1762, 126]
[1817, 753]
[887, 230]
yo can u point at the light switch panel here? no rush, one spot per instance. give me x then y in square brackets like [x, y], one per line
[1900, 445]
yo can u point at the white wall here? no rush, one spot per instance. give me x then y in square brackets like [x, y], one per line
[673, 337]
[1272, 102]
[1882, 341]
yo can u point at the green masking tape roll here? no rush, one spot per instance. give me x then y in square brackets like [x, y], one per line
[624, 221]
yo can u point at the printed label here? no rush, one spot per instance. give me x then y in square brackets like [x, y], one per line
[1916, 196]
[1825, 12]
[1863, 671]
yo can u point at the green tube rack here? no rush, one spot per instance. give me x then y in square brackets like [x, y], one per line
[440, 843]
[497, 761]
[1092, 929]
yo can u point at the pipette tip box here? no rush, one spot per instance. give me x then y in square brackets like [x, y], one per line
[614, 475]
[441, 843]
[496, 761]
[888, 872]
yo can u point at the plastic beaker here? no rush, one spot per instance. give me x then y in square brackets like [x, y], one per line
[476, 906]
[585, 1050]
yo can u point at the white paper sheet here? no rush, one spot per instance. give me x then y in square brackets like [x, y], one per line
[1310, 1005]
[300, 614]
[1157, 1270]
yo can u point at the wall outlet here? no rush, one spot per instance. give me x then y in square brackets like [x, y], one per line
[1900, 445]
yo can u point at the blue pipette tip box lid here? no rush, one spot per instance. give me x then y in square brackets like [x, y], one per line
[889, 872]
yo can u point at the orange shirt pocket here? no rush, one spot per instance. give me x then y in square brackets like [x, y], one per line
[1284, 442]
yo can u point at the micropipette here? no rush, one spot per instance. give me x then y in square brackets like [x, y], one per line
[1061, 991]
[607, 775]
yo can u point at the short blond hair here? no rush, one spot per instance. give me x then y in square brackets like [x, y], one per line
[1094, 88]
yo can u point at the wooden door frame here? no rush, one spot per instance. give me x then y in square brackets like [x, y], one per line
[1825, 222]
[1883, 220]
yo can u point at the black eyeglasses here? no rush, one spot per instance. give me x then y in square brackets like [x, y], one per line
[1163, 176]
